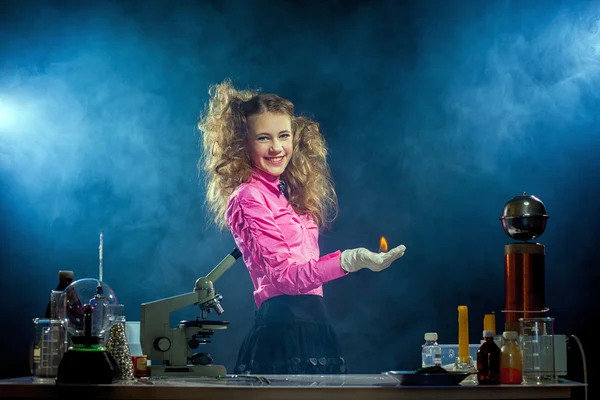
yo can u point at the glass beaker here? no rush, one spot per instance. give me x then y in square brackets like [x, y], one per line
[113, 314]
[537, 344]
[48, 346]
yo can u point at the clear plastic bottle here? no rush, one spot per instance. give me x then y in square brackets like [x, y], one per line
[488, 360]
[511, 360]
[431, 352]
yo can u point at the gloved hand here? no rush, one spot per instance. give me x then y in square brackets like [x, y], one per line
[354, 259]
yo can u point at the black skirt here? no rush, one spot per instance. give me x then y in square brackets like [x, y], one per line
[291, 335]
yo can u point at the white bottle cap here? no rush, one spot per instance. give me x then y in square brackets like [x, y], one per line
[510, 335]
[487, 333]
[431, 336]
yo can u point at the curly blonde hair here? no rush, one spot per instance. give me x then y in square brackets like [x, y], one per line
[225, 161]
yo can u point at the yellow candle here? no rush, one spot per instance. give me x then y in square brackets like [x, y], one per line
[489, 322]
[463, 334]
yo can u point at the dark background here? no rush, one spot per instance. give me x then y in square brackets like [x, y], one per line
[436, 113]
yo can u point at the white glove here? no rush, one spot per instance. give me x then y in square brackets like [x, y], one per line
[354, 259]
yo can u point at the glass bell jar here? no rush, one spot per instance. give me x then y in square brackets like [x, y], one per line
[87, 307]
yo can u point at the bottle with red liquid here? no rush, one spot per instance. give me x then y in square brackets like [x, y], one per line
[511, 360]
[488, 360]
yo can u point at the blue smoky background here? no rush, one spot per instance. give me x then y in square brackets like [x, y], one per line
[436, 114]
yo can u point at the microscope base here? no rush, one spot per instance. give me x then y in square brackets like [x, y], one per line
[188, 370]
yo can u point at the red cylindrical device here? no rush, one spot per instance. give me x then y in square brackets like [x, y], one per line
[524, 282]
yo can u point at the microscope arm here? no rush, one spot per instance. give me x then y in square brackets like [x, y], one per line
[155, 335]
[155, 332]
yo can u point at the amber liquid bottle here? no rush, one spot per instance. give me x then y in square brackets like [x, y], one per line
[488, 360]
[511, 360]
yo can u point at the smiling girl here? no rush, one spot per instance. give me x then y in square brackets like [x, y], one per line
[268, 182]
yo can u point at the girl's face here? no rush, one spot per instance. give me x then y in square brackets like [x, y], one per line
[270, 142]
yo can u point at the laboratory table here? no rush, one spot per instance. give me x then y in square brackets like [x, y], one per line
[288, 387]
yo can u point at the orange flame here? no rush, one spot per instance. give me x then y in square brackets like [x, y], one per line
[383, 245]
